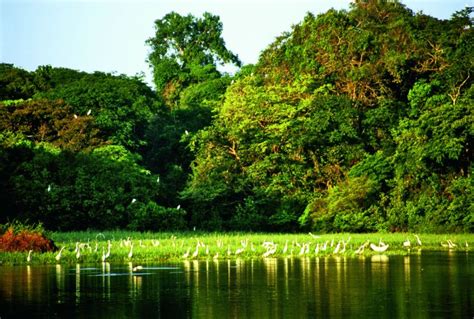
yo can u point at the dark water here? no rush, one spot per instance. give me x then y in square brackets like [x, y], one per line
[434, 285]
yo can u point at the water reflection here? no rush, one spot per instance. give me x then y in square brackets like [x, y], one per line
[433, 285]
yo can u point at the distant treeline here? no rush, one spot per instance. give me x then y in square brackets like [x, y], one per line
[358, 121]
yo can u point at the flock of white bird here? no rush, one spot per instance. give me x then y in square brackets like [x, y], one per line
[269, 248]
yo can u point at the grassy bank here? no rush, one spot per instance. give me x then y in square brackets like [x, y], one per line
[121, 246]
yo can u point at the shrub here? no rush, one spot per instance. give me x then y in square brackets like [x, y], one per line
[21, 237]
[152, 217]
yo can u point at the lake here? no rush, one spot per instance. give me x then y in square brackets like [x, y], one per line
[426, 285]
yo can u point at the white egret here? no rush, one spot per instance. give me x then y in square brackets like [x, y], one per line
[302, 250]
[406, 243]
[75, 116]
[338, 246]
[285, 249]
[133, 200]
[418, 240]
[196, 252]
[360, 250]
[28, 258]
[314, 236]
[107, 254]
[324, 247]
[104, 256]
[186, 254]
[316, 250]
[49, 188]
[270, 251]
[451, 245]
[89, 112]
[178, 207]
[380, 248]
[130, 253]
[58, 256]
[137, 268]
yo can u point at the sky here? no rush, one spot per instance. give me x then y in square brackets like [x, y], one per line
[110, 35]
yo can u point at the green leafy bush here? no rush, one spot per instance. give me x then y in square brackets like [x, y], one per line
[153, 217]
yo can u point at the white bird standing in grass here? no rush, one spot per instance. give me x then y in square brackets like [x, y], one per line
[324, 247]
[58, 256]
[451, 245]
[314, 236]
[196, 252]
[285, 249]
[186, 254]
[406, 243]
[380, 248]
[28, 258]
[130, 253]
[104, 256]
[418, 240]
[270, 250]
[338, 246]
[360, 250]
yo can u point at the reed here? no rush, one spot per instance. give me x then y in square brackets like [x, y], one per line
[92, 246]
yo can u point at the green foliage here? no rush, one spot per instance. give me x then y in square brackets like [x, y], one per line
[351, 206]
[152, 217]
[358, 120]
[186, 50]
[119, 106]
[68, 190]
[15, 83]
[353, 121]
[18, 226]
[52, 121]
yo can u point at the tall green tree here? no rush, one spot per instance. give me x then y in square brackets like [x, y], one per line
[186, 50]
[121, 106]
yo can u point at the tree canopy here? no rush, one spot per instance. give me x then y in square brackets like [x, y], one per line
[354, 120]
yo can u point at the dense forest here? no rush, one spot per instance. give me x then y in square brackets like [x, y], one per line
[357, 120]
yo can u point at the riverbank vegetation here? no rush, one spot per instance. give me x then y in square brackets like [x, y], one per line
[358, 120]
[136, 247]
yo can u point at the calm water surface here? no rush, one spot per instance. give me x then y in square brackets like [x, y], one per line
[430, 285]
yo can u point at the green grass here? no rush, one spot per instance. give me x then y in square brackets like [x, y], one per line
[155, 247]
